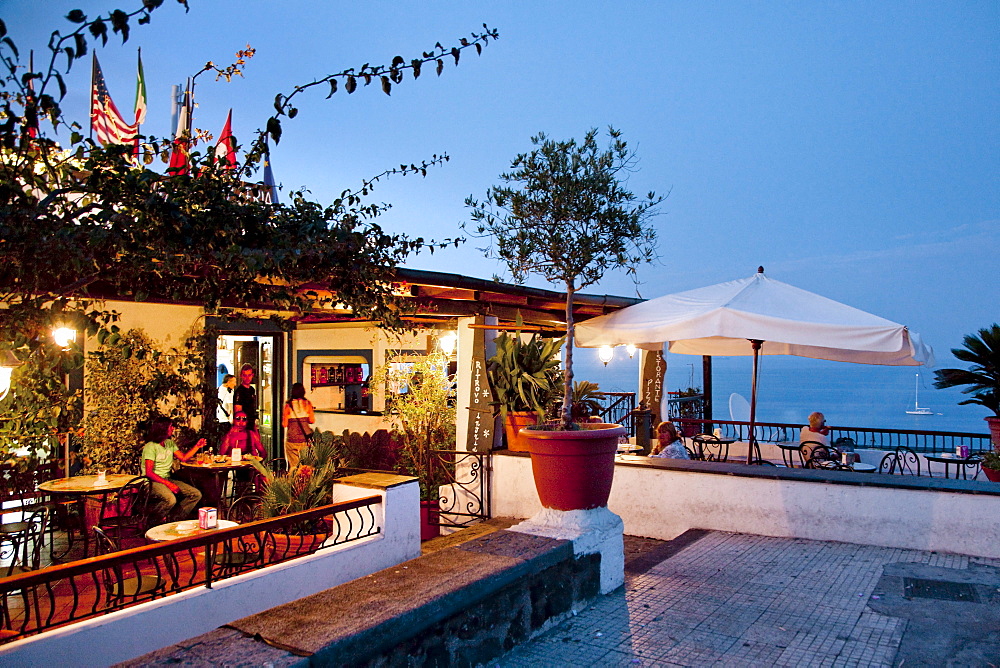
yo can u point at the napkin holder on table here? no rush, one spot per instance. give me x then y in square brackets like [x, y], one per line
[237, 455]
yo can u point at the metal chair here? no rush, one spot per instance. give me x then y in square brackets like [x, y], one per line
[245, 551]
[711, 448]
[812, 453]
[21, 550]
[888, 464]
[126, 514]
[117, 587]
[907, 461]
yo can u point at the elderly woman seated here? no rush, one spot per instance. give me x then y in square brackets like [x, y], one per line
[669, 443]
[816, 437]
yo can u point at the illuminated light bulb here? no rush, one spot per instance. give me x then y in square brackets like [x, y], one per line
[630, 349]
[605, 354]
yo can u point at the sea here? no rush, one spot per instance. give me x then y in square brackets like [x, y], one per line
[790, 388]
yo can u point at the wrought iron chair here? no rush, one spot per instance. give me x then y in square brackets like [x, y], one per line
[126, 514]
[888, 464]
[118, 589]
[907, 461]
[711, 448]
[21, 550]
[245, 551]
[819, 457]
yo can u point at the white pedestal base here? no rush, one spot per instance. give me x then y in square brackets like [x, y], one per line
[598, 530]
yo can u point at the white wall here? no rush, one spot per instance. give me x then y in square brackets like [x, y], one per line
[138, 630]
[660, 503]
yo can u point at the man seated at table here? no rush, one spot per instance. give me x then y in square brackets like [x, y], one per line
[171, 499]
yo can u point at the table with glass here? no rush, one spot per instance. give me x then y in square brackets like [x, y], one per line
[961, 464]
[90, 492]
[212, 473]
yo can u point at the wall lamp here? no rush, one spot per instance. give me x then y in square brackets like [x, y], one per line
[605, 354]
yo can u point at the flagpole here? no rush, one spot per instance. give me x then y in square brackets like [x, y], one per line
[93, 73]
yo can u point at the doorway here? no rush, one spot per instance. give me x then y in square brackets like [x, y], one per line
[262, 353]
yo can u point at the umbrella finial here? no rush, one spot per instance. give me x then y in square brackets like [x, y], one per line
[760, 269]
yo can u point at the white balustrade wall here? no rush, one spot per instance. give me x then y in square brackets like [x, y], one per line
[661, 503]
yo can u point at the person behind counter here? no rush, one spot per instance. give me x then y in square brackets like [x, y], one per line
[297, 419]
[172, 499]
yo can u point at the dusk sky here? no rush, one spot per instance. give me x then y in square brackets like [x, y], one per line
[852, 149]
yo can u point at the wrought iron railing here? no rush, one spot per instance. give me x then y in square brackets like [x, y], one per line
[463, 482]
[687, 408]
[864, 437]
[37, 601]
[617, 408]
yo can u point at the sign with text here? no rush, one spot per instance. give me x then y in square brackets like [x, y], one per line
[481, 418]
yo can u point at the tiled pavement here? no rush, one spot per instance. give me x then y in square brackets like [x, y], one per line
[742, 600]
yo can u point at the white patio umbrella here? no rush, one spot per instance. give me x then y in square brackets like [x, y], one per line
[757, 316]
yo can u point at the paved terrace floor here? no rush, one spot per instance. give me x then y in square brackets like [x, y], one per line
[714, 598]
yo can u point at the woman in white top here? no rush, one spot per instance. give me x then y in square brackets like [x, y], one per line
[668, 443]
[297, 419]
[816, 432]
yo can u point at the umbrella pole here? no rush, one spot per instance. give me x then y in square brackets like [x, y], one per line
[753, 447]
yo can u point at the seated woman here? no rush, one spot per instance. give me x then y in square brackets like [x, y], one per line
[668, 443]
[171, 499]
[247, 440]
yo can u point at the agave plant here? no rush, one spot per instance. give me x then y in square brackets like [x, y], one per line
[525, 375]
[588, 400]
[983, 377]
[308, 485]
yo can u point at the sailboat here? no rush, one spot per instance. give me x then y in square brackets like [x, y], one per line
[917, 410]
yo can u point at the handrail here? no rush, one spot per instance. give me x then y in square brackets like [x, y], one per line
[79, 590]
[864, 437]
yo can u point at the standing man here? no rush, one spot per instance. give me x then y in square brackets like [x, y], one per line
[224, 411]
[245, 397]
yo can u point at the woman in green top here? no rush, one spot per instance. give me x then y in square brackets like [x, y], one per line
[172, 499]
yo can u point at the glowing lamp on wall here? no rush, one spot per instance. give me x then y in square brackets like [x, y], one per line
[630, 349]
[448, 342]
[64, 337]
[605, 354]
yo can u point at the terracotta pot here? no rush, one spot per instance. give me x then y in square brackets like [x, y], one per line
[573, 470]
[994, 424]
[430, 511]
[517, 420]
[992, 474]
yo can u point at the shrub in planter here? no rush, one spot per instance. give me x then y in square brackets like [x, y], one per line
[982, 378]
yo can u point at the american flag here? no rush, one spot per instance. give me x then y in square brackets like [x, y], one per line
[105, 120]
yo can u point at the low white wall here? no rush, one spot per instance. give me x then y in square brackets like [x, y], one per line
[662, 503]
[144, 628]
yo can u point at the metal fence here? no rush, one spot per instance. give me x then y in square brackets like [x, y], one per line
[617, 408]
[864, 437]
[40, 600]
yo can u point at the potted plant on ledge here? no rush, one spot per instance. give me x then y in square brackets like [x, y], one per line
[525, 378]
[565, 214]
[982, 378]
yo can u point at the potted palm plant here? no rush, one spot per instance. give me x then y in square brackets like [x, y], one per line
[982, 379]
[565, 214]
[525, 378]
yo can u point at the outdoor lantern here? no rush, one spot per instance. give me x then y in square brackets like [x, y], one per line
[606, 354]
[64, 336]
[8, 362]
[630, 349]
[448, 342]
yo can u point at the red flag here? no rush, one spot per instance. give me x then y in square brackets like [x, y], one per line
[225, 149]
[179, 154]
[105, 119]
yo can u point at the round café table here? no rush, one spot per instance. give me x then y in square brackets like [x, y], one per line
[183, 529]
[85, 487]
[214, 475]
[961, 464]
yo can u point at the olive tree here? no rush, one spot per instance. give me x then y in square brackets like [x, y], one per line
[565, 213]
